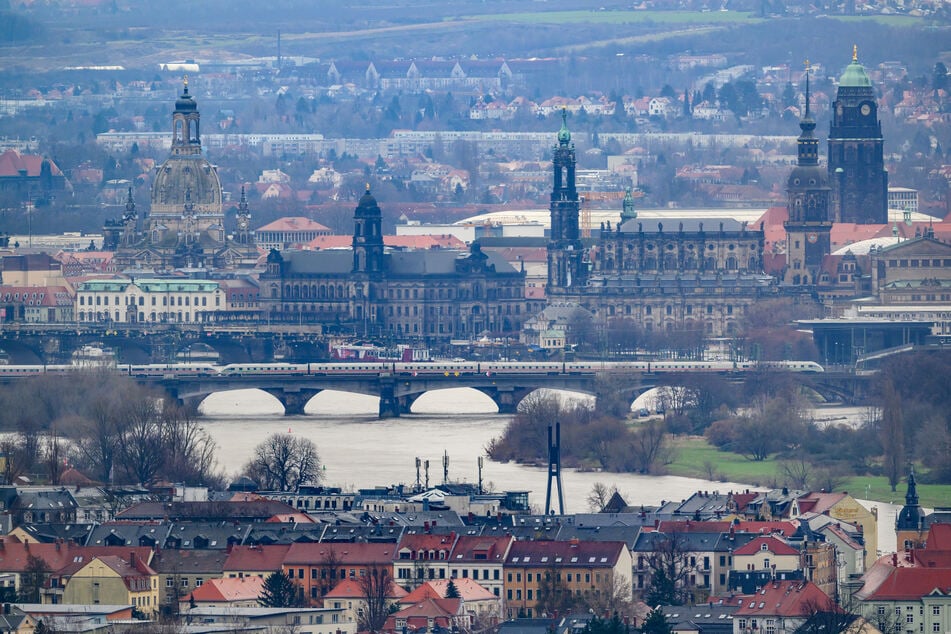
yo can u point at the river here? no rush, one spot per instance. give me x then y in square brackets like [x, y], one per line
[360, 451]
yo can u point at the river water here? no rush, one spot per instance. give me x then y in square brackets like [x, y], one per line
[360, 451]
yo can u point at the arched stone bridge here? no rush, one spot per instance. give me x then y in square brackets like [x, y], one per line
[397, 393]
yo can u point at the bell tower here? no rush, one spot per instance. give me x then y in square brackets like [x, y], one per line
[186, 138]
[566, 268]
[809, 226]
[368, 236]
[856, 150]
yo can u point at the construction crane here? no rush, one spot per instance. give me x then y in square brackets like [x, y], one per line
[586, 198]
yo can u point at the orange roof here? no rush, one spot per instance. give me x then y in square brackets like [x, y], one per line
[230, 589]
[306, 553]
[351, 588]
[294, 223]
[772, 544]
[12, 164]
[469, 590]
[786, 598]
[265, 558]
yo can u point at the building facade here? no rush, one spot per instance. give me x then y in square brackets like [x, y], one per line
[185, 225]
[148, 301]
[809, 227]
[856, 151]
[693, 276]
[432, 296]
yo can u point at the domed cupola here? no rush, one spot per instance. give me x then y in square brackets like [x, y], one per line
[855, 75]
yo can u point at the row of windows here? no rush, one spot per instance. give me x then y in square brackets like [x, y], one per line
[104, 316]
[130, 301]
[919, 263]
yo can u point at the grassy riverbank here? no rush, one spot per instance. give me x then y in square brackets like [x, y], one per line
[695, 455]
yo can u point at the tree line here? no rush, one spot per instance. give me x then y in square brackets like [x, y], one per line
[116, 431]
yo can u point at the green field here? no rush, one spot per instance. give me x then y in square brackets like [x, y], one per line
[693, 453]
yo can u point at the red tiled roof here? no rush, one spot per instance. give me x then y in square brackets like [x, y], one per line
[230, 589]
[820, 502]
[12, 163]
[939, 537]
[773, 545]
[264, 558]
[786, 598]
[14, 555]
[351, 588]
[887, 583]
[347, 553]
[487, 549]
[426, 542]
[469, 590]
[294, 223]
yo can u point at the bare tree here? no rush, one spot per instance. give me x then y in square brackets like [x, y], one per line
[189, 449]
[796, 473]
[612, 596]
[376, 586]
[892, 434]
[670, 568]
[284, 462]
[141, 451]
[599, 496]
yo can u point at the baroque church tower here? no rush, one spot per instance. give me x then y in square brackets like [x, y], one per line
[368, 236]
[184, 226]
[810, 223]
[566, 266]
[856, 151]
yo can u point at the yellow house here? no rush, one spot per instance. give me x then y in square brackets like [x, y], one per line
[844, 507]
[109, 579]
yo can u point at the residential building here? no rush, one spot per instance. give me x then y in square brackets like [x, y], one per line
[319, 567]
[422, 557]
[255, 561]
[781, 607]
[300, 620]
[218, 593]
[585, 569]
[481, 559]
[350, 595]
[112, 580]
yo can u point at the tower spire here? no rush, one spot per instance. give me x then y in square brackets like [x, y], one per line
[808, 114]
[855, 52]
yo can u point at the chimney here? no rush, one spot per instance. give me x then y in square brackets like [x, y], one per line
[132, 559]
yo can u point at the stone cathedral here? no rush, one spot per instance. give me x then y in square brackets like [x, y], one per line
[185, 224]
[680, 274]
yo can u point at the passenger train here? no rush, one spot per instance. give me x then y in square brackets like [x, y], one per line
[427, 368]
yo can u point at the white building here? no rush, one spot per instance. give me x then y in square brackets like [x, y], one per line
[148, 301]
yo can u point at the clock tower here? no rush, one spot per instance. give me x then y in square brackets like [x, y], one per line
[856, 153]
[567, 269]
[810, 224]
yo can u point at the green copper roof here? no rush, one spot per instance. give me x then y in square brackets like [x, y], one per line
[855, 76]
[563, 135]
[627, 211]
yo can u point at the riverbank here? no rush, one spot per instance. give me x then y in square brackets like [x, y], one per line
[696, 458]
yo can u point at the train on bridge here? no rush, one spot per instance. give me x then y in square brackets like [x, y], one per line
[427, 368]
